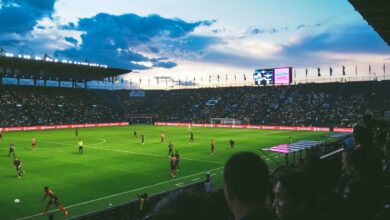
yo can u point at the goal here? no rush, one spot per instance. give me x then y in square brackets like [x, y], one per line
[225, 121]
[141, 118]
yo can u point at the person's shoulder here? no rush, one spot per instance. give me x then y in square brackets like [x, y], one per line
[260, 214]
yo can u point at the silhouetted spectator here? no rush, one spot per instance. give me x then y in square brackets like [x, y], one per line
[192, 206]
[246, 186]
[295, 195]
[362, 191]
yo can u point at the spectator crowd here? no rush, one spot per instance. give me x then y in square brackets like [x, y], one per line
[332, 104]
[27, 106]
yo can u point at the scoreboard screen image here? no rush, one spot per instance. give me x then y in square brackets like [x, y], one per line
[277, 76]
[264, 77]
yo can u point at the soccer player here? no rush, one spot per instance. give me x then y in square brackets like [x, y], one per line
[1, 134]
[135, 133]
[192, 140]
[11, 149]
[189, 127]
[18, 167]
[173, 165]
[177, 160]
[33, 143]
[231, 143]
[76, 132]
[53, 199]
[142, 139]
[81, 146]
[162, 136]
[212, 146]
[170, 149]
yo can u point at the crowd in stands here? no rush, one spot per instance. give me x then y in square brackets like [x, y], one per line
[27, 106]
[302, 192]
[333, 104]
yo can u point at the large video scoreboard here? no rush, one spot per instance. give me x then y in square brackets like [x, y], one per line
[276, 76]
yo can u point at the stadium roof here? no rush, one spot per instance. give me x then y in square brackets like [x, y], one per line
[55, 70]
[377, 14]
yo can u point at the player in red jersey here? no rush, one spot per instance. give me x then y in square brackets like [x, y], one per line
[212, 146]
[177, 155]
[173, 165]
[53, 199]
[162, 136]
[33, 143]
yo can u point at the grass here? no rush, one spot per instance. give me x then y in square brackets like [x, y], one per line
[116, 166]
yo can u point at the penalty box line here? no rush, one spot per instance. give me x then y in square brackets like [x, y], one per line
[123, 193]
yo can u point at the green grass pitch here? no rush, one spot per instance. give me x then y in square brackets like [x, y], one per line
[115, 166]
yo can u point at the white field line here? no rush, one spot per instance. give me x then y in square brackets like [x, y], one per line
[154, 155]
[72, 145]
[132, 152]
[179, 184]
[123, 193]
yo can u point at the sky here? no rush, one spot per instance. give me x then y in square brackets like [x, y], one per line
[195, 38]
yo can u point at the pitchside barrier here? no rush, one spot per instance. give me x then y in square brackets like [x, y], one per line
[261, 127]
[53, 127]
[130, 210]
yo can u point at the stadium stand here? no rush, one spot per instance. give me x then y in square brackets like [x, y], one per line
[26, 106]
[330, 104]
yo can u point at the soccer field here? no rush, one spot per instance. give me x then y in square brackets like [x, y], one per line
[115, 166]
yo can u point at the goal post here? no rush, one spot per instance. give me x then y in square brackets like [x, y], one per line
[141, 118]
[225, 121]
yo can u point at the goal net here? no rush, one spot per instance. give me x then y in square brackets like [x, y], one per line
[225, 121]
[141, 120]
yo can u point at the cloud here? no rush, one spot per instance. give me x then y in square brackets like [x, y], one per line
[21, 16]
[167, 65]
[186, 83]
[190, 47]
[274, 30]
[260, 31]
[163, 77]
[124, 40]
[71, 40]
[357, 38]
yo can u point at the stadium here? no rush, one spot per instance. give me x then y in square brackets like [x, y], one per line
[94, 130]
